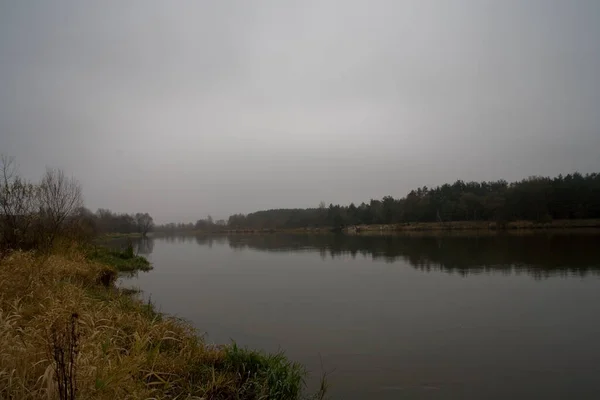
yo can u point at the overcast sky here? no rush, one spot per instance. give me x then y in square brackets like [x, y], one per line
[185, 108]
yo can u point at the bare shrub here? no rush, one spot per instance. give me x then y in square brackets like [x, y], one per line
[60, 198]
[64, 347]
[19, 202]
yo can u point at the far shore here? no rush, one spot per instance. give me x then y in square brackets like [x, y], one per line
[477, 226]
[409, 227]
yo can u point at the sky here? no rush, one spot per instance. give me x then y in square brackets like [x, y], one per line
[189, 108]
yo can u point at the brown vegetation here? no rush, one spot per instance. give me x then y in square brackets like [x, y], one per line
[65, 333]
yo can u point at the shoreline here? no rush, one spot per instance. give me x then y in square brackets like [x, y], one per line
[66, 327]
[408, 227]
[478, 226]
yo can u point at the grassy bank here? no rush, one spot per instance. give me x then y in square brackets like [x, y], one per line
[122, 260]
[110, 236]
[65, 328]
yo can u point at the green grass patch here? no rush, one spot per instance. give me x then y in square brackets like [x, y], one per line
[123, 260]
[264, 376]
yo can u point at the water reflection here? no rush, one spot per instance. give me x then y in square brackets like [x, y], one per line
[144, 246]
[210, 240]
[384, 324]
[540, 255]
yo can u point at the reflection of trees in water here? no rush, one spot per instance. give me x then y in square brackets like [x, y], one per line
[210, 240]
[144, 246]
[540, 255]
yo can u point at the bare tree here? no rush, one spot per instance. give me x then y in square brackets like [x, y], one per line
[18, 206]
[82, 225]
[144, 223]
[60, 198]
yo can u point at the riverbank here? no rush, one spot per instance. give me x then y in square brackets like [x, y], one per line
[476, 226]
[430, 226]
[65, 327]
[111, 236]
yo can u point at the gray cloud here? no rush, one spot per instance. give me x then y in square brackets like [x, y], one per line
[187, 108]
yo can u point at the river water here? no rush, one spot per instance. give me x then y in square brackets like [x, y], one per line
[398, 317]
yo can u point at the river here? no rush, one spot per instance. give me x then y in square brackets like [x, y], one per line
[398, 317]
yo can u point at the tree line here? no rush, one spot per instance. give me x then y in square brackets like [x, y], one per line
[541, 199]
[33, 215]
[105, 221]
[207, 224]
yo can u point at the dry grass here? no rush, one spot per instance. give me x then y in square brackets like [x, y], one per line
[124, 349]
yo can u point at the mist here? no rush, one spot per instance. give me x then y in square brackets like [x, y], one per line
[193, 108]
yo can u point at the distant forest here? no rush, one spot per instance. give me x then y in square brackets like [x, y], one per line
[540, 199]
